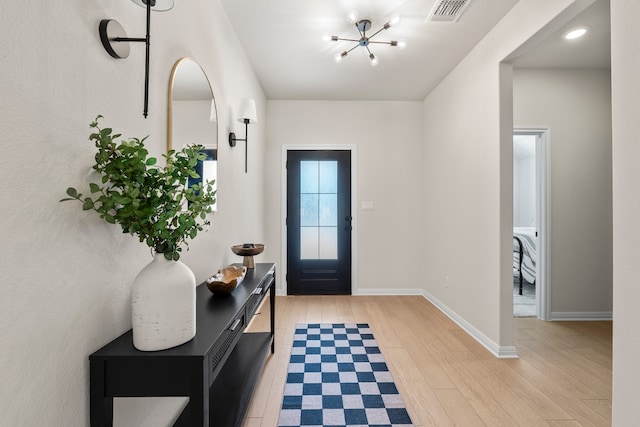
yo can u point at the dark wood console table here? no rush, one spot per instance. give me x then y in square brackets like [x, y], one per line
[217, 370]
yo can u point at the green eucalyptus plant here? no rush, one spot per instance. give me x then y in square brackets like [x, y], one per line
[154, 203]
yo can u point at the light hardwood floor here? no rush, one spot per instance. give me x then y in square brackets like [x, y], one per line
[562, 378]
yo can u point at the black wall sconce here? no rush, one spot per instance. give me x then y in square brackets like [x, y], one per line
[116, 43]
[247, 116]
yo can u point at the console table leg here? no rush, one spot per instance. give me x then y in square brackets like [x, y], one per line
[100, 406]
[272, 302]
[199, 397]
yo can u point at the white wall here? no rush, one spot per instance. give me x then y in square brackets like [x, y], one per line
[524, 183]
[576, 106]
[387, 136]
[66, 276]
[468, 173]
[625, 69]
[524, 192]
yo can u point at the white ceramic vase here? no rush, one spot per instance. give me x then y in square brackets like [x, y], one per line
[163, 305]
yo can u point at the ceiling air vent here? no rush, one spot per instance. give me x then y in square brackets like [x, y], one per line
[448, 10]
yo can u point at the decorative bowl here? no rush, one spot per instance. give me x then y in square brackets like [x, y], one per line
[248, 251]
[227, 279]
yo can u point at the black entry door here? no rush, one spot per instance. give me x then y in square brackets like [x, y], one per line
[318, 222]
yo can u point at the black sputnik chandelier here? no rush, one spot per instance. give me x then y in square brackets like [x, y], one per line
[365, 40]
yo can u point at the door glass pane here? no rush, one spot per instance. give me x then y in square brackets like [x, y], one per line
[319, 209]
[309, 243]
[328, 177]
[328, 212]
[328, 243]
[309, 210]
[308, 176]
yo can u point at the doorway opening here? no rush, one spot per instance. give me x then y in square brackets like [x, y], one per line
[530, 262]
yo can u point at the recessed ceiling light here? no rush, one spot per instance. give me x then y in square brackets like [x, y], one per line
[575, 33]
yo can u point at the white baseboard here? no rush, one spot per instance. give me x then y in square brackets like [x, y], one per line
[581, 315]
[387, 292]
[501, 352]
[372, 292]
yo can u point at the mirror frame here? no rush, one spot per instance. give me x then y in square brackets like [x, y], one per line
[170, 126]
[170, 103]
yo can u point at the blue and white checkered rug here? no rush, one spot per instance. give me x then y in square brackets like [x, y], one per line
[338, 377]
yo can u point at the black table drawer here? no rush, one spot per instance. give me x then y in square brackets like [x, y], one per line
[228, 338]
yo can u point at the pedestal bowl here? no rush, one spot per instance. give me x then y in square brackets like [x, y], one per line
[248, 251]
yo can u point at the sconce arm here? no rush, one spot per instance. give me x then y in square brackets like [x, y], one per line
[111, 31]
[233, 140]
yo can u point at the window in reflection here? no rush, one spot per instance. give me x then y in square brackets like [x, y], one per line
[207, 169]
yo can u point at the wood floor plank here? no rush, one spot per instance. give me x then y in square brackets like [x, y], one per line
[285, 307]
[430, 369]
[475, 392]
[272, 409]
[344, 313]
[446, 378]
[260, 397]
[597, 355]
[294, 311]
[471, 344]
[564, 423]
[517, 407]
[383, 330]
[422, 403]
[559, 391]
[571, 368]
[314, 309]
[602, 407]
[418, 311]
[568, 349]
[359, 310]
[539, 401]
[328, 309]
[459, 409]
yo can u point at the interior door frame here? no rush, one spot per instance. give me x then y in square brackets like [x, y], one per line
[354, 210]
[543, 193]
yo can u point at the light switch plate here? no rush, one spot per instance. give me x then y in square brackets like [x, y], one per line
[367, 206]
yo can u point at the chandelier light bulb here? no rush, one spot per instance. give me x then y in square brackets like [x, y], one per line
[393, 22]
[364, 37]
[326, 37]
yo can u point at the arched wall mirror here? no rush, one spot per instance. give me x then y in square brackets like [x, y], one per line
[192, 116]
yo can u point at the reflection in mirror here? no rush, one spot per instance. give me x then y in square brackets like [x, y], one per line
[192, 117]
